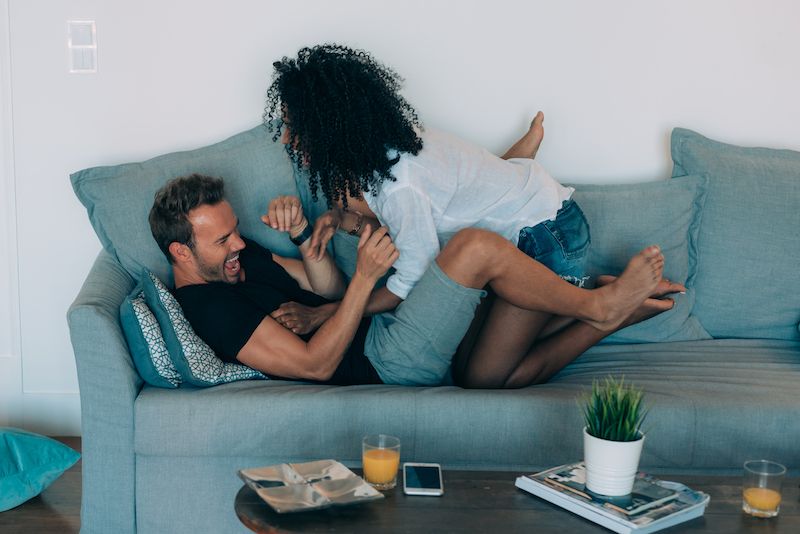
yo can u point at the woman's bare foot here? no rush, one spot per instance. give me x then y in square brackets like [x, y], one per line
[528, 145]
[647, 310]
[665, 287]
[620, 298]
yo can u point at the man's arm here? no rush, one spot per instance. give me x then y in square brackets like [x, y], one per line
[321, 276]
[275, 350]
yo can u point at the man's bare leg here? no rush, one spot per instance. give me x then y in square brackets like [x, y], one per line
[475, 258]
[528, 145]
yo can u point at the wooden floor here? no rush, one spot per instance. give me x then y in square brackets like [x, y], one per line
[56, 510]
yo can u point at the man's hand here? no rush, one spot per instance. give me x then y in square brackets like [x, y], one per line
[285, 214]
[324, 229]
[302, 319]
[376, 253]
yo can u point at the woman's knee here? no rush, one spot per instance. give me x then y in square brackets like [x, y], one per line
[475, 245]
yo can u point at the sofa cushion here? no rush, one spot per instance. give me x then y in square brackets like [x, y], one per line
[146, 343]
[624, 219]
[694, 392]
[749, 240]
[195, 362]
[28, 464]
[118, 198]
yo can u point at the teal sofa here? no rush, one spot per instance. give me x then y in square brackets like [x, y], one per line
[720, 371]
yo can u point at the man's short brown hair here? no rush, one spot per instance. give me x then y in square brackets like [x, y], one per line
[169, 216]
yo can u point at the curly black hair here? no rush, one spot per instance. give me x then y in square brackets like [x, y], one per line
[344, 112]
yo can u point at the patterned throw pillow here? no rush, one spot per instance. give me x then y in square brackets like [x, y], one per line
[193, 358]
[148, 349]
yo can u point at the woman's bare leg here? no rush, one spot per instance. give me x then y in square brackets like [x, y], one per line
[528, 145]
[475, 258]
[506, 356]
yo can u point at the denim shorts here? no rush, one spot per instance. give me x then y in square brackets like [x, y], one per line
[561, 245]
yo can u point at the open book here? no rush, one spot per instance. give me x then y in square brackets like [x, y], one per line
[652, 505]
[308, 486]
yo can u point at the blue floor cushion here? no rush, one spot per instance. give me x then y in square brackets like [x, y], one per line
[28, 464]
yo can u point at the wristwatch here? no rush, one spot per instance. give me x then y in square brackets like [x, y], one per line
[303, 236]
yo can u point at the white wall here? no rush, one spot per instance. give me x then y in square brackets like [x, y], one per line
[613, 78]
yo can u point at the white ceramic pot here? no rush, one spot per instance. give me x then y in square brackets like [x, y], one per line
[610, 465]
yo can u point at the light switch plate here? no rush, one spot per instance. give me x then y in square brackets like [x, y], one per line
[82, 46]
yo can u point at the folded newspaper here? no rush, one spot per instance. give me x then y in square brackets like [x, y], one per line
[652, 505]
[308, 486]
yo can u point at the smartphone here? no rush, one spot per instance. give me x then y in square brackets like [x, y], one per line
[422, 479]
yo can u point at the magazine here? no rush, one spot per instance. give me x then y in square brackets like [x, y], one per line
[652, 505]
[308, 486]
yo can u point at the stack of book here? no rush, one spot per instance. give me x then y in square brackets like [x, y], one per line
[652, 505]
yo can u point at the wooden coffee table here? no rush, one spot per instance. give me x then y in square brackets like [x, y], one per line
[488, 501]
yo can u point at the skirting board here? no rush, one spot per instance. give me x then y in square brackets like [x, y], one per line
[51, 414]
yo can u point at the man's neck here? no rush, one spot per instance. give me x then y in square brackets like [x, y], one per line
[185, 278]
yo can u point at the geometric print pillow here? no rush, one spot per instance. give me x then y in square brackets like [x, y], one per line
[194, 360]
[149, 352]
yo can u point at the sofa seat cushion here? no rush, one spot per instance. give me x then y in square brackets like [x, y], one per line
[711, 402]
[746, 283]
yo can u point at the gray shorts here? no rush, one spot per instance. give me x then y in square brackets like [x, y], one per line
[414, 344]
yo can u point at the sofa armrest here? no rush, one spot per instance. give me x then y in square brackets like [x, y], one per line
[109, 385]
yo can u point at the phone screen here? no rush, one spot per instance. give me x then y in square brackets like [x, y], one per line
[419, 476]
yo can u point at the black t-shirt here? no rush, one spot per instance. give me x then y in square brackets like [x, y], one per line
[226, 315]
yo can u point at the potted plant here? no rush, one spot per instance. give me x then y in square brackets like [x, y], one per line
[612, 437]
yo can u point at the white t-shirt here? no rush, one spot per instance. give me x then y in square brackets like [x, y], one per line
[450, 185]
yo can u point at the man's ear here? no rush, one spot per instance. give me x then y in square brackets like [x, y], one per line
[180, 252]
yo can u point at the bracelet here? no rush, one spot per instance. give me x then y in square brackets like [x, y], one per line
[359, 222]
[303, 236]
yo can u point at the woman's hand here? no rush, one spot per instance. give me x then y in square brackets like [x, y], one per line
[324, 229]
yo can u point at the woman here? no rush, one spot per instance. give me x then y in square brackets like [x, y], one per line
[343, 118]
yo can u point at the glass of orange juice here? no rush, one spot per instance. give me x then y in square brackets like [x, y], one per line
[380, 455]
[761, 488]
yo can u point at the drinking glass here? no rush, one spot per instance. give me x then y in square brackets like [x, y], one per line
[380, 455]
[761, 488]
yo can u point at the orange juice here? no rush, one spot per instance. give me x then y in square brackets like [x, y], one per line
[762, 502]
[380, 465]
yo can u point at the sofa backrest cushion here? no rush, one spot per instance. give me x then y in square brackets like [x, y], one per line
[749, 237]
[194, 360]
[623, 220]
[118, 198]
[146, 342]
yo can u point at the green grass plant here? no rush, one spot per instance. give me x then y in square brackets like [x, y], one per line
[614, 410]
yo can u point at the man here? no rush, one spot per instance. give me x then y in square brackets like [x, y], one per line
[234, 293]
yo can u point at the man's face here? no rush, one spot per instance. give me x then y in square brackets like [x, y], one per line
[216, 243]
